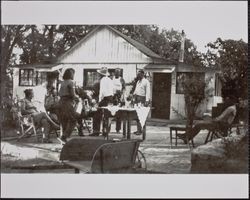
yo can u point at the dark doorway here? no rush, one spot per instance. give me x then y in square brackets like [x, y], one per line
[161, 96]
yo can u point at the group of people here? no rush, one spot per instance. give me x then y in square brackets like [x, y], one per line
[112, 91]
[106, 91]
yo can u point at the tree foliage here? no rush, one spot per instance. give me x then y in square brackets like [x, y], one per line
[45, 43]
[196, 91]
[231, 57]
[11, 36]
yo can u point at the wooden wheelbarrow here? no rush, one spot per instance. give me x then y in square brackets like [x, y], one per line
[102, 156]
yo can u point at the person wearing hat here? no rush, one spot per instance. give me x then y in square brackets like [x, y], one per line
[141, 94]
[106, 92]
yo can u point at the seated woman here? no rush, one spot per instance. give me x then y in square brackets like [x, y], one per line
[40, 118]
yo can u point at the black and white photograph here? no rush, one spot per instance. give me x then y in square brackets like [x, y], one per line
[129, 88]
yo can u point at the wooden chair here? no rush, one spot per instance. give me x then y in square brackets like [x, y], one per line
[215, 133]
[179, 130]
[87, 123]
[55, 125]
[27, 126]
[25, 122]
[83, 108]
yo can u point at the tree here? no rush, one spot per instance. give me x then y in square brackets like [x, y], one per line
[231, 57]
[45, 43]
[196, 91]
[11, 36]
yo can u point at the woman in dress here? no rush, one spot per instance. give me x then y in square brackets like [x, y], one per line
[67, 115]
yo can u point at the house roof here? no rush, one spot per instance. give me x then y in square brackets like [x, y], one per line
[182, 67]
[133, 42]
[163, 67]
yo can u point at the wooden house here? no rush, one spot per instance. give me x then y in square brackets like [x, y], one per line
[107, 47]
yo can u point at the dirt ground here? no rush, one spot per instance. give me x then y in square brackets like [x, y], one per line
[11, 164]
[160, 156]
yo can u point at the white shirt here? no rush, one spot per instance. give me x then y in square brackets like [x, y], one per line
[106, 88]
[117, 84]
[143, 88]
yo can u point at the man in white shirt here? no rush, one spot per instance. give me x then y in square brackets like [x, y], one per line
[141, 94]
[142, 89]
[106, 88]
[105, 97]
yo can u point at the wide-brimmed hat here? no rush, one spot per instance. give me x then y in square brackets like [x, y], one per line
[103, 71]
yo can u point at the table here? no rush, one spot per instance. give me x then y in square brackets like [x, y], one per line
[127, 115]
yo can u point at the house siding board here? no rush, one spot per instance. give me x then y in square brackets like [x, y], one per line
[136, 44]
[177, 100]
[116, 50]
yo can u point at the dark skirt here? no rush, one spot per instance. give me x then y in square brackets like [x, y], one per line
[66, 111]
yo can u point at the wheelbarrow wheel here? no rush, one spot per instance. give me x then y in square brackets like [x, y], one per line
[140, 162]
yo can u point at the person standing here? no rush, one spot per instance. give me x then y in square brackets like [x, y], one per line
[141, 95]
[119, 89]
[67, 115]
[106, 92]
[96, 115]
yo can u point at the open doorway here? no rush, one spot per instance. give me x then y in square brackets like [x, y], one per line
[161, 95]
